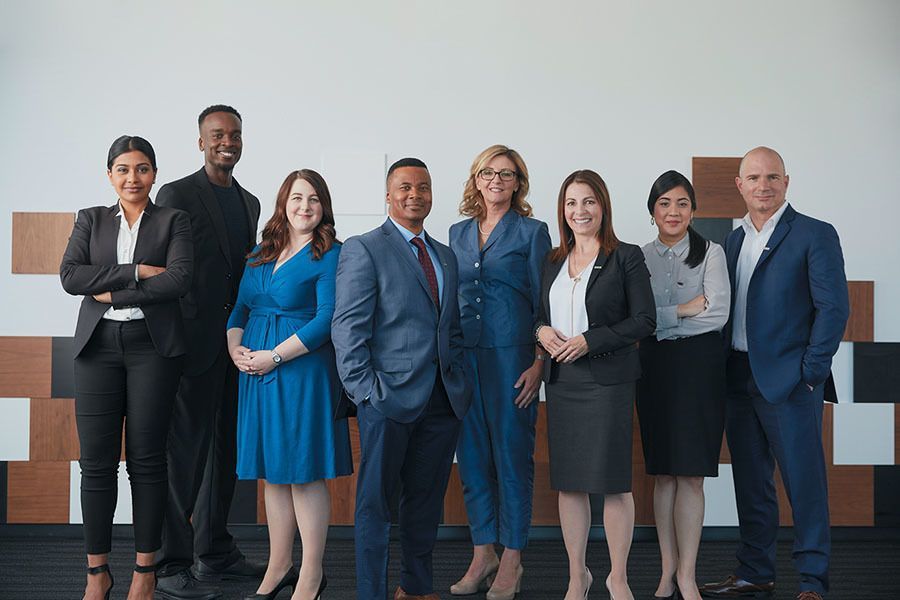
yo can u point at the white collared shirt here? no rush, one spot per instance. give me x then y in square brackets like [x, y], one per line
[125, 243]
[754, 244]
[568, 312]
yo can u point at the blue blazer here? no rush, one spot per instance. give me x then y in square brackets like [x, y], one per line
[797, 305]
[389, 337]
[500, 284]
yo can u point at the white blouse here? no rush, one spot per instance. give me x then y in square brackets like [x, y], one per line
[568, 313]
[125, 244]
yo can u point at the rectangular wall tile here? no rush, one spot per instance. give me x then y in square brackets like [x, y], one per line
[454, 503]
[3, 492]
[721, 508]
[851, 495]
[53, 435]
[861, 325]
[38, 492]
[343, 499]
[864, 434]
[62, 368]
[25, 367]
[545, 509]
[876, 377]
[39, 241]
[715, 230]
[15, 414]
[123, 514]
[887, 496]
[717, 194]
[842, 372]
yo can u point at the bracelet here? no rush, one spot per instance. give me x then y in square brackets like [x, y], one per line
[536, 330]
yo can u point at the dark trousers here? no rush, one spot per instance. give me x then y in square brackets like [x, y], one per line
[418, 456]
[201, 470]
[759, 434]
[120, 376]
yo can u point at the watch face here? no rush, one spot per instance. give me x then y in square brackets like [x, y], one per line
[276, 357]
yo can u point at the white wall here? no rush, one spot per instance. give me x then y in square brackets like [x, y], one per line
[628, 89]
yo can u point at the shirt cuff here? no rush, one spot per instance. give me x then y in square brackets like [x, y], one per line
[136, 278]
[666, 316]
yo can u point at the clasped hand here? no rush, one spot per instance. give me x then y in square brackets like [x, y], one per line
[561, 348]
[252, 362]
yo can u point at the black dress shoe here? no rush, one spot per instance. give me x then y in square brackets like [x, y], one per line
[290, 579]
[183, 586]
[240, 570]
[733, 587]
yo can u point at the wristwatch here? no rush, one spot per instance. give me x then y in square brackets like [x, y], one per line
[276, 358]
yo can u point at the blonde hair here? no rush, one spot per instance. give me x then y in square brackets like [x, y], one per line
[472, 204]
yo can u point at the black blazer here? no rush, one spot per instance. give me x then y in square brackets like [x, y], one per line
[90, 266]
[214, 287]
[620, 308]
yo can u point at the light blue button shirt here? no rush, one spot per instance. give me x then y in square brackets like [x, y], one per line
[435, 260]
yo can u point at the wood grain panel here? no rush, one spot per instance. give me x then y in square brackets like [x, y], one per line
[25, 367]
[851, 495]
[454, 503]
[343, 499]
[541, 447]
[717, 194]
[724, 453]
[261, 502]
[52, 433]
[38, 492]
[642, 490]
[861, 325]
[545, 509]
[39, 241]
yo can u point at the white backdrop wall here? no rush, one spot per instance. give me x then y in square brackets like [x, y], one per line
[627, 89]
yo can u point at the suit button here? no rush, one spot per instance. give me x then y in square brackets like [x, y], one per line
[228, 276]
[477, 317]
[476, 282]
[477, 264]
[228, 306]
[477, 299]
[593, 324]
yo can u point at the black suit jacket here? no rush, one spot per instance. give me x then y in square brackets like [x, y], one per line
[620, 309]
[90, 266]
[207, 306]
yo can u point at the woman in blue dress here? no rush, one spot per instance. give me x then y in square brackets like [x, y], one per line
[279, 339]
[500, 250]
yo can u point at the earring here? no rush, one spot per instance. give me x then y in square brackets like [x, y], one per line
[652, 221]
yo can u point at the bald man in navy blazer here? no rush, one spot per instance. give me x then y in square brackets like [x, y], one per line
[398, 342]
[789, 311]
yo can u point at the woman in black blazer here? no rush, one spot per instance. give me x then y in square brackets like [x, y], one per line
[131, 262]
[596, 303]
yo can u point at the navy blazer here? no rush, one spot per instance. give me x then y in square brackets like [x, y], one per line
[390, 339]
[797, 304]
[214, 286]
[500, 284]
[90, 266]
[620, 308]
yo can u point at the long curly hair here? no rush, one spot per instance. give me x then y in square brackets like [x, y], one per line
[472, 204]
[276, 235]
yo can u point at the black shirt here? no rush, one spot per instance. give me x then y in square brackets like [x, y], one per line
[236, 224]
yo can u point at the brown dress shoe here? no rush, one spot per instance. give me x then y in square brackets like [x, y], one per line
[401, 595]
[807, 595]
[733, 587]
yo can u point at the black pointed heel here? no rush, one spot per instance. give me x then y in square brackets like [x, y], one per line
[322, 586]
[103, 569]
[290, 579]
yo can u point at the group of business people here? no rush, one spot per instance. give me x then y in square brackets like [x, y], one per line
[220, 370]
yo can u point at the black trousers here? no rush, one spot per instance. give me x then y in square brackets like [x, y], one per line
[120, 376]
[202, 457]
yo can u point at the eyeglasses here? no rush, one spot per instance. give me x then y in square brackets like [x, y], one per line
[505, 174]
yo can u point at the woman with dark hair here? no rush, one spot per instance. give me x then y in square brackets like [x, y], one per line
[279, 337]
[131, 262]
[681, 396]
[500, 250]
[596, 303]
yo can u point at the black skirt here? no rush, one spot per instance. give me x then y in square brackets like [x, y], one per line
[681, 404]
[589, 429]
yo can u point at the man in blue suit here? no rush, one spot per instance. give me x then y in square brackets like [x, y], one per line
[398, 342]
[789, 311]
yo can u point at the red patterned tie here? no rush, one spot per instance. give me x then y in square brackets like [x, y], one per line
[428, 267]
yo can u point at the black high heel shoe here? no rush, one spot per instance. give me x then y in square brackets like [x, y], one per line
[290, 579]
[103, 569]
[322, 585]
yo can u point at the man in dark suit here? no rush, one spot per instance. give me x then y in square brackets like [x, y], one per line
[789, 311]
[398, 342]
[201, 449]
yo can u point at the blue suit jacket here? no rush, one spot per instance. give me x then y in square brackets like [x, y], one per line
[797, 305]
[500, 284]
[389, 337]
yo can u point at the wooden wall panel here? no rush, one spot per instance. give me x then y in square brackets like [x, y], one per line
[545, 509]
[541, 449]
[717, 195]
[343, 499]
[25, 367]
[39, 241]
[861, 326]
[454, 503]
[851, 495]
[38, 492]
[53, 435]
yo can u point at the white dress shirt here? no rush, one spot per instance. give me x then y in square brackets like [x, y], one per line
[125, 244]
[754, 244]
[568, 313]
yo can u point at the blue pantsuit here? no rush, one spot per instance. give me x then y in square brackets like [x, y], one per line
[498, 296]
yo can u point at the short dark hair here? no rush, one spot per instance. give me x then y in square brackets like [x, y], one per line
[406, 162]
[217, 108]
[130, 143]
[669, 181]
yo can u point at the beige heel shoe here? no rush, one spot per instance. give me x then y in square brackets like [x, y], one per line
[508, 593]
[469, 587]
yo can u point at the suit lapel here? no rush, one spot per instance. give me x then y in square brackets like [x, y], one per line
[108, 237]
[507, 222]
[445, 271]
[145, 234]
[251, 218]
[781, 230]
[396, 241]
[597, 270]
[208, 198]
[733, 252]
